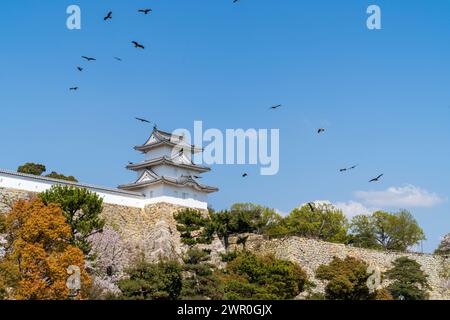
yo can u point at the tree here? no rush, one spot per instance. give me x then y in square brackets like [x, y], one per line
[444, 246]
[59, 176]
[323, 222]
[347, 279]
[244, 218]
[199, 281]
[253, 218]
[409, 282]
[32, 168]
[39, 253]
[194, 227]
[388, 231]
[147, 281]
[82, 209]
[263, 278]
[38, 169]
[363, 231]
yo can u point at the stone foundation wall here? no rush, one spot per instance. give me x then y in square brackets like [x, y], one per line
[151, 232]
[310, 254]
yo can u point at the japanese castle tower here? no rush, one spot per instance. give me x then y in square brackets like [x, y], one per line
[168, 174]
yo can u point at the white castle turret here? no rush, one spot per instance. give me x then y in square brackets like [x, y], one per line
[167, 173]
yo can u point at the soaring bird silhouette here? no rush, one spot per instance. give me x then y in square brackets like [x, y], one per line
[145, 11]
[118, 59]
[108, 16]
[311, 207]
[234, 1]
[245, 175]
[80, 69]
[73, 89]
[321, 130]
[377, 178]
[276, 107]
[348, 169]
[142, 120]
[137, 45]
[89, 58]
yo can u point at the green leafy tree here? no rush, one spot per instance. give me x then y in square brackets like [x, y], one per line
[82, 209]
[59, 176]
[347, 279]
[253, 218]
[244, 218]
[250, 277]
[409, 282]
[38, 169]
[322, 221]
[148, 281]
[363, 230]
[387, 231]
[199, 281]
[32, 168]
[194, 227]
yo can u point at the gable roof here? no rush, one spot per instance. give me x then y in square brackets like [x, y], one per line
[160, 138]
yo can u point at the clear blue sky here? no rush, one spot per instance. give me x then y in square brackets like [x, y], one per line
[382, 95]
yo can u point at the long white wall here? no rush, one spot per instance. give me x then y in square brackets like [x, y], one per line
[10, 180]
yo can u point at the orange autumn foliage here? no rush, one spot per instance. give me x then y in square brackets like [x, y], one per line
[40, 249]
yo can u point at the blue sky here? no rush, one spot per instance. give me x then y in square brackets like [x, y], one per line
[383, 96]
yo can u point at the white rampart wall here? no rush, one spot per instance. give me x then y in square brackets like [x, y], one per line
[116, 197]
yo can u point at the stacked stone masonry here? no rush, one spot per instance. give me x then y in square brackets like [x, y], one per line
[151, 233]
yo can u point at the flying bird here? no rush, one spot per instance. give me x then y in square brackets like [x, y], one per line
[108, 16]
[348, 169]
[245, 175]
[311, 207]
[377, 178]
[321, 130]
[137, 45]
[130, 163]
[145, 11]
[88, 58]
[234, 1]
[276, 107]
[73, 89]
[142, 120]
[80, 69]
[118, 59]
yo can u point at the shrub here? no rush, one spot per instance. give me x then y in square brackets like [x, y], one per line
[253, 277]
[347, 279]
[152, 281]
[409, 282]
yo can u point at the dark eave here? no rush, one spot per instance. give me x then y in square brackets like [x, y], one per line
[166, 161]
[170, 181]
[147, 147]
